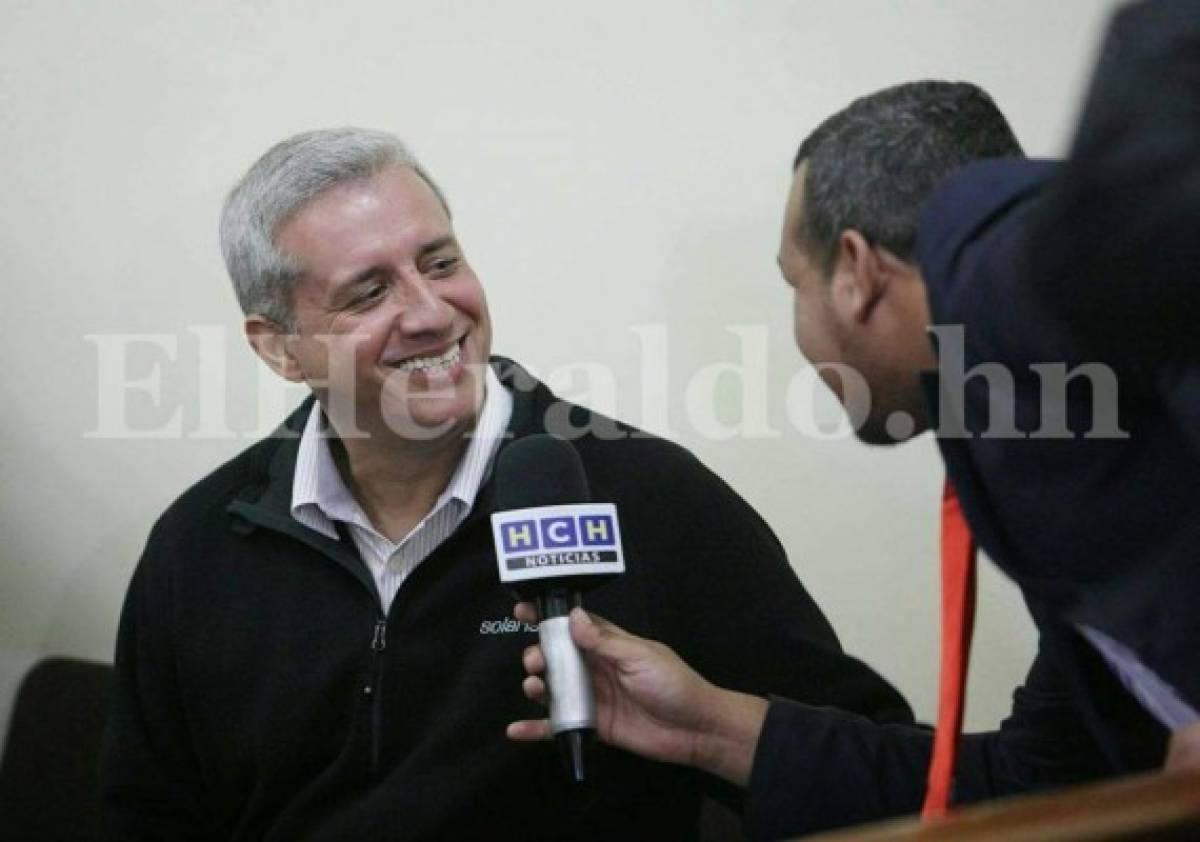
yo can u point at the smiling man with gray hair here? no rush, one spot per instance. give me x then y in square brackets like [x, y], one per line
[314, 643]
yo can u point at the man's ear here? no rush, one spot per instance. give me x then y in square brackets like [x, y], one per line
[859, 277]
[270, 342]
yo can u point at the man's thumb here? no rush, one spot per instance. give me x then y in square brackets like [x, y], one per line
[584, 630]
[598, 636]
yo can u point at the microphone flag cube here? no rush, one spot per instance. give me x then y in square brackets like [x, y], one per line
[581, 539]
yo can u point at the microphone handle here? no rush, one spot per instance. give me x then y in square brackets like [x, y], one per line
[572, 702]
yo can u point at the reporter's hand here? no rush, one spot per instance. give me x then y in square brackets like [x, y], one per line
[650, 702]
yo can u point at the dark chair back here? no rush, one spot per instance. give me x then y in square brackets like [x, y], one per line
[48, 789]
[48, 774]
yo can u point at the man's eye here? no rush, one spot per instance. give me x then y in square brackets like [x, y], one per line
[371, 294]
[442, 266]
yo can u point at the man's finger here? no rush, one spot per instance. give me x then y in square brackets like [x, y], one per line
[533, 660]
[526, 612]
[534, 688]
[529, 729]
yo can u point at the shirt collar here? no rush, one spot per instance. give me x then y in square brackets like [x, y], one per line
[320, 496]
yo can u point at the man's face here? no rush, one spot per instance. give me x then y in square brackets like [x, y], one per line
[392, 324]
[868, 318]
[815, 324]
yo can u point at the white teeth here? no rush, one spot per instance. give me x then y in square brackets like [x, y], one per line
[428, 364]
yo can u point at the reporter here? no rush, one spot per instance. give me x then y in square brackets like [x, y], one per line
[894, 226]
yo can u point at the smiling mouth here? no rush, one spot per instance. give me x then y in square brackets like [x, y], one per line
[430, 365]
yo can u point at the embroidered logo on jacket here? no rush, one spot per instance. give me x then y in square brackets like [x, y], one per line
[506, 626]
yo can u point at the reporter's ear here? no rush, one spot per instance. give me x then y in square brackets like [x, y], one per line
[857, 281]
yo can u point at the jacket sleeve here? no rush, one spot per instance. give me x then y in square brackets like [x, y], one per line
[737, 612]
[150, 784]
[723, 595]
[1116, 255]
[818, 768]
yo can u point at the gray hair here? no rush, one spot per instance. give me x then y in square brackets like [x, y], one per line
[285, 179]
[872, 165]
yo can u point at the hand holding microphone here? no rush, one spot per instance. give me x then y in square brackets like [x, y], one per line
[650, 702]
[551, 544]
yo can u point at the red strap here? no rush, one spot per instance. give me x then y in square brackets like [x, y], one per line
[958, 619]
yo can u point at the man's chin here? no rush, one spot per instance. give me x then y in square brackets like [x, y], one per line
[425, 427]
[897, 428]
[878, 438]
[433, 412]
[431, 419]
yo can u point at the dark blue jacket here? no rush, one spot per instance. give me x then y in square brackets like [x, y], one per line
[1028, 506]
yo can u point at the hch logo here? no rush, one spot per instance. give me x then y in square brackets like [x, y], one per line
[558, 532]
[576, 539]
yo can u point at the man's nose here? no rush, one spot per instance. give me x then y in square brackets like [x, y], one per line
[421, 308]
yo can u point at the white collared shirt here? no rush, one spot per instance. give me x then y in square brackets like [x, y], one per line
[320, 496]
[1159, 698]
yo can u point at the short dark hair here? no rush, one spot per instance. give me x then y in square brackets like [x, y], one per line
[872, 165]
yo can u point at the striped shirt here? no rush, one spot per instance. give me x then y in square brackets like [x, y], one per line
[320, 497]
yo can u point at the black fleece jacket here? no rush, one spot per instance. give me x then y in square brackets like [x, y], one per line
[263, 694]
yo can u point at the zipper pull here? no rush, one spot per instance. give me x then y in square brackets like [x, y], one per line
[380, 640]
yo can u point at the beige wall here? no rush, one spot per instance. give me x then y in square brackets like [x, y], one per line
[611, 165]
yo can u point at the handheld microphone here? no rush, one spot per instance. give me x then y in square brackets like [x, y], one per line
[552, 543]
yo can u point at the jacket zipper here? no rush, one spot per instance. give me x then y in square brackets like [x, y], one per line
[375, 690]
[353, 565]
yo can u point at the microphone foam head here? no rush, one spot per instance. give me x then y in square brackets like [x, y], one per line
[540, 470]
